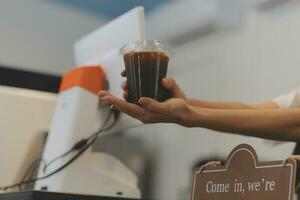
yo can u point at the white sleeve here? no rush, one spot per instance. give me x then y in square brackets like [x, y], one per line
[289, 100]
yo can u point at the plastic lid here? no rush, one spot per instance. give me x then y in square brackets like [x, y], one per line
[144, 46]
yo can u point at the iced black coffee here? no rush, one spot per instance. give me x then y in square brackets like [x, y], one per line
[146, 64]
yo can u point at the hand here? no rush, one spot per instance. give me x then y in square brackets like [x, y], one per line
[168, 83]
[174, 110]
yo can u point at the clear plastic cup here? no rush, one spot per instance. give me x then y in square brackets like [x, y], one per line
[146, 64]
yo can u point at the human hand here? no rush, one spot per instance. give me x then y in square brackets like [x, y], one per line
[168, 83]
[174, 110]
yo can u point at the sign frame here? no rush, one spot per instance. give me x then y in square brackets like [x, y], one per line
[214, 169]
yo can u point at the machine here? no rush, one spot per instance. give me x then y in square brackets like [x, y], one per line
[79, 113]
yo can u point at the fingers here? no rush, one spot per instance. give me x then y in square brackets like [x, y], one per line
[123, 73]
[124, 85]
[128, 108]
[104, 93]
[150, 110]
[170, 84]
[125, 95]
[153, 106]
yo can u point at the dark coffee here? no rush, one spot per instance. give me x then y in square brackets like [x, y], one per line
[145, 70]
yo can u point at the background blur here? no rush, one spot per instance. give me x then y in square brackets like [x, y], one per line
[242, 50]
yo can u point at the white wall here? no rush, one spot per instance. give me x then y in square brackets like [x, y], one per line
[252, 64]
[39, 34]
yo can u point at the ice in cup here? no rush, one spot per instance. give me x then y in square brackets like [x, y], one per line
[146, 64]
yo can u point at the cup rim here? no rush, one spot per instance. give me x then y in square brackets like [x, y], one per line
[144, 46]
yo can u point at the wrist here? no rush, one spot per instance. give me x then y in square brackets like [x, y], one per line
[192, 117]
[189, 100]
[195, 102]
[199, 117]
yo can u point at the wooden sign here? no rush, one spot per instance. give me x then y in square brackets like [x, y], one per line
[244, 177]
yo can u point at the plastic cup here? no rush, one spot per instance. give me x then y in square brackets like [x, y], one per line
[146, 64]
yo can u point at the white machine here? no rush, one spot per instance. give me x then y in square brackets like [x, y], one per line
[78, 113]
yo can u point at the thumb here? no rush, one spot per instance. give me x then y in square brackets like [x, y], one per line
[170, 84]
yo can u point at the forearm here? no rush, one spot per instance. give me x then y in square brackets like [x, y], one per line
[219, 105]
[229, 105]
[277, 124]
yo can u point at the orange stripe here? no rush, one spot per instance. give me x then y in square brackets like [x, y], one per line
[91, 78]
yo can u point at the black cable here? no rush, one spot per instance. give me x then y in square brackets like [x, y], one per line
[32, 174]
[31, 169]
[57, 158]
[46, 176]
[57, 170]
[91, 138]
[80, 144]
[116, 114]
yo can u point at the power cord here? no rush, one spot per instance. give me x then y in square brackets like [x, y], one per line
[31, 170]
[82, 146]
